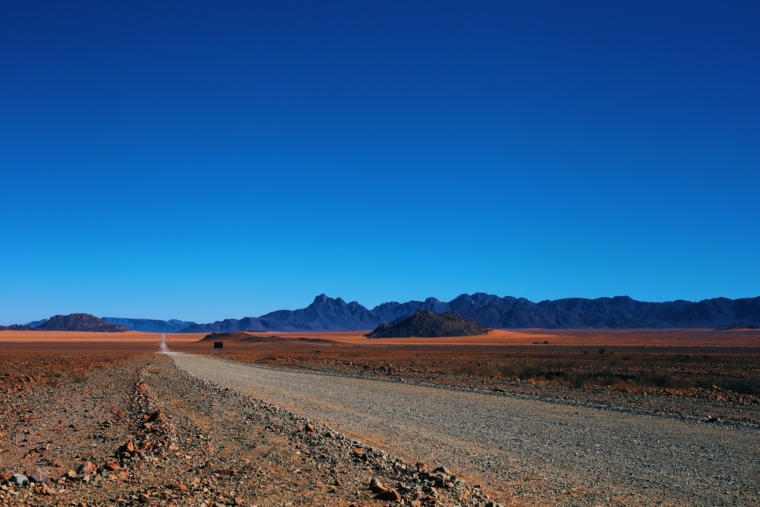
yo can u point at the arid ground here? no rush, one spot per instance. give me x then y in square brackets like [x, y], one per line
[635, 417]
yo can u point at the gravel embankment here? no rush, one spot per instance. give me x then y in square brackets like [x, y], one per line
[529, 450]
[145, 432]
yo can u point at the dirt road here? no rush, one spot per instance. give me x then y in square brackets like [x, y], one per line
[550, 453]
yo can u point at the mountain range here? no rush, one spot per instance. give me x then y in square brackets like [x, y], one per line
[620, 312]
[150, 325]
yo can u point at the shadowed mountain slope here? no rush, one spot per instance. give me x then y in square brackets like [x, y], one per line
[150, 325]
[621, 312]
[425, 323]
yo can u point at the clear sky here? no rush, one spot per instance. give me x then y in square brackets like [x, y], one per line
[209, 160]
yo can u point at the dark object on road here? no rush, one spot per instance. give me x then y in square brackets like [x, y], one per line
[425, 323]
[218, 345]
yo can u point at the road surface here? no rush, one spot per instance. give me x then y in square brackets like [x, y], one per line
[536, 450]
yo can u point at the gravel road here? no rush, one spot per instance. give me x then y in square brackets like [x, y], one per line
[535, 451]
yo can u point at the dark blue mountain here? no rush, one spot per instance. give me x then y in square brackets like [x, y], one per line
[621, 312]
[150, 325]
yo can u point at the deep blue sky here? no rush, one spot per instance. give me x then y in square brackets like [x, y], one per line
[225, 159]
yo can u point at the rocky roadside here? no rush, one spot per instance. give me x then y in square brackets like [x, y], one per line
[145, 432]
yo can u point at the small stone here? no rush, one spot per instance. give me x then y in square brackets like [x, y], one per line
[358, 451]
[71, 474]
[144, 497]
[310, 428]
[39, 475]
[111, 467]
[156, 416]
[239, 501]
[20, 479]
[86, 468]
[391, 496]
[421, 467]
[376, 486]
[416, 503]
[128, 447]
[442, 470]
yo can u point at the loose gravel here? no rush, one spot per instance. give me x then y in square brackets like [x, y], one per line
[524, 450]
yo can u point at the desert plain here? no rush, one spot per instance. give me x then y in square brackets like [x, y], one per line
[534, 417]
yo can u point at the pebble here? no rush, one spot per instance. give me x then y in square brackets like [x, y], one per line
[20, 479]
[38, 475]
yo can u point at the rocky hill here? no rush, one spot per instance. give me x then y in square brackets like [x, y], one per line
[621, 312]
[15, 327]
[79, 322]
[425, 323]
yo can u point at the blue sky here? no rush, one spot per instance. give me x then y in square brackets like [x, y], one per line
[225, 159]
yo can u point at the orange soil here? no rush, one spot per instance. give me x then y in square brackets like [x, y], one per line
[625, 337]
[138, 342]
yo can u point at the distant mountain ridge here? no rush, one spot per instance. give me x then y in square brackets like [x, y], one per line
[150, 325]
[79, 322]
[620, 312]
[495, 312]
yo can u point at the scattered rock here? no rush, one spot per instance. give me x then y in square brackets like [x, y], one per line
[20, 480]
[86, 468]
[376, 486]
[391, 496]
[128, 447]
[39, 475]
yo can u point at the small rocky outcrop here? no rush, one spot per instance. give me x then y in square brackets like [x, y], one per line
[424, 323]
[15, 327]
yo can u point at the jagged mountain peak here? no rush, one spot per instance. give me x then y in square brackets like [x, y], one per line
[333, 314]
